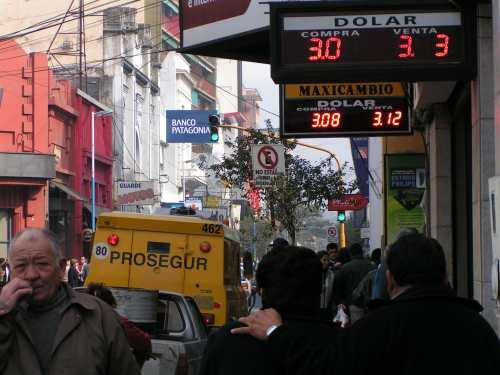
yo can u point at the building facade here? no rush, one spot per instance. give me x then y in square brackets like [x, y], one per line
[45, 153]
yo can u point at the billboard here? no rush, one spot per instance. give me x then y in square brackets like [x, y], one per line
[205, 21]
[359, 150]
[405, 188]
[185, 126]
[135, 193]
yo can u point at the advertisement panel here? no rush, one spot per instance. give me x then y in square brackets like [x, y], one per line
[135, 193]
[405, 188]
[196, 203]
[206, 21]
[359, 150]
[185, 126]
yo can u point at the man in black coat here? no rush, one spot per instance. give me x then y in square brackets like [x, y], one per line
[424, 328]
[348, 278]
[290, 280]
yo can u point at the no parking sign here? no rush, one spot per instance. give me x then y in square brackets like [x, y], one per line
[332, 234]
[268, 161]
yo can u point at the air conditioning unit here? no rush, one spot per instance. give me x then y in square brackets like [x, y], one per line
[67, 45]
[112, 19]
[144, 36]
[494, 195]
[128, 19]
[129, 26]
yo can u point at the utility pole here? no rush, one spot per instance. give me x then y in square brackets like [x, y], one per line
[81, 31]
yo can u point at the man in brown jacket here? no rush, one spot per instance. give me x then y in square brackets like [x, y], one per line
[48, 329]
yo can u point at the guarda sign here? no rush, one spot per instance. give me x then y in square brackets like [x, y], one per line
[349, 202]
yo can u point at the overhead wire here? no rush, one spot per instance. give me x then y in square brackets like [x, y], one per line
[121, 56]
[88, 26]
[28, 30]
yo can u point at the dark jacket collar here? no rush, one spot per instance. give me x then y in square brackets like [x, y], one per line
[427, 293]
[81, 299]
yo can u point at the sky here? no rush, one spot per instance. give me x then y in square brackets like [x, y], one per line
[258, 76]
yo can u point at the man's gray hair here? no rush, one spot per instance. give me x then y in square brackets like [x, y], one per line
[55, 245]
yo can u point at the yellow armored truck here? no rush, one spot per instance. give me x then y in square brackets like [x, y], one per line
[183, 254]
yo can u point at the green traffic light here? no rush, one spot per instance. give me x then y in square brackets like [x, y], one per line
[341, 216]
[214, 137]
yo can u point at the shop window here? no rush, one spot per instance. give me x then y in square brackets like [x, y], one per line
[5, 231]
[104, 194]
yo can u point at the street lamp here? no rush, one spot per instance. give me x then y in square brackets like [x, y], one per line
[94, 115]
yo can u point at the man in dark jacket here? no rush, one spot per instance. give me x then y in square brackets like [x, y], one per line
[424, 328]
[46, 328]
[349, 277]
[290, 279]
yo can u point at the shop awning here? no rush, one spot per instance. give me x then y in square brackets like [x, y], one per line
[70, 192]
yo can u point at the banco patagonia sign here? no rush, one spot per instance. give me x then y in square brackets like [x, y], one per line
[188, 126]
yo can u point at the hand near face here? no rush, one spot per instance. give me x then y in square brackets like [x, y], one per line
[258, 323]
[12, 292]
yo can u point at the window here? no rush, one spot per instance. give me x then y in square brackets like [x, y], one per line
[5, 231]
[158, 247]
[169, 318]
[198, 319]
[162, 154]
[137, 152]
[104, 194]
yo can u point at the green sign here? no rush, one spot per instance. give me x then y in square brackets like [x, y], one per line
[405, 188]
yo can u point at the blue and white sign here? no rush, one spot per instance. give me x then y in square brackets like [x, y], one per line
[188, 126]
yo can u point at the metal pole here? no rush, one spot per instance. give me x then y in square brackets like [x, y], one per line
[342, 241]
[254, 239]
[93, 173]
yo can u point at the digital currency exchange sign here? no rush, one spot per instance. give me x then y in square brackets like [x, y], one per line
[343, 110]
[318, 42]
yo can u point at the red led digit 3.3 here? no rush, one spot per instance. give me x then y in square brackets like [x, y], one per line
[441, 44]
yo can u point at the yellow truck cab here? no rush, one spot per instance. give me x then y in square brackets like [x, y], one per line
[183, 254]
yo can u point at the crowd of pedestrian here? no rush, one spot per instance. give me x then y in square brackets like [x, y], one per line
[404, 317]
[418, 326]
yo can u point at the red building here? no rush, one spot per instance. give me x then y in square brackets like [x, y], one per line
[45, 151]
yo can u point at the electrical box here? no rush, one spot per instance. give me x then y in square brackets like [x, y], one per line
[494, 196]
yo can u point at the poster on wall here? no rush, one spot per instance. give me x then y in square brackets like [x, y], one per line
[405, 188]
[359, 150]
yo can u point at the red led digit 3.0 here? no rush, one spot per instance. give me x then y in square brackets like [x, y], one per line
[326, 119]
[331, 50]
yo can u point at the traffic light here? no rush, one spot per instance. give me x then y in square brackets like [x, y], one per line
[214, 128]
[341, 216]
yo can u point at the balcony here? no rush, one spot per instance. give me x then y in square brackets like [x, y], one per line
[27, 165]
[170, 24]
[205, 87]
